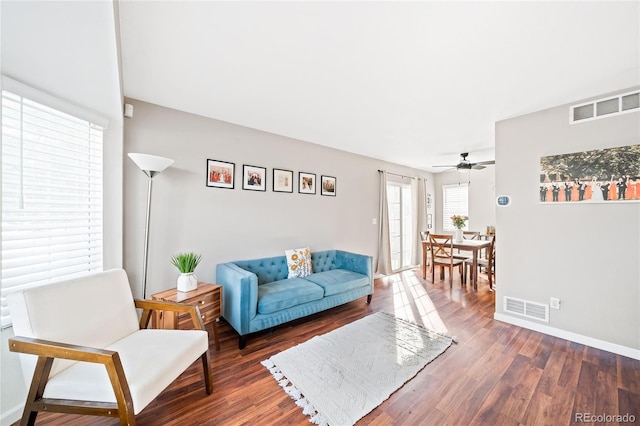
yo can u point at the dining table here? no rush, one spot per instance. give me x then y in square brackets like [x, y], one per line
[474, 246]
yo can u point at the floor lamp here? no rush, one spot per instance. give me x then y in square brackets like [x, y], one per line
[150, 165]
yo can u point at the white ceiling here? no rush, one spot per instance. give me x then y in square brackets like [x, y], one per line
[413, 83]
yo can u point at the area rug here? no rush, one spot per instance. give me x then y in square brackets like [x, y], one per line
[339, 377]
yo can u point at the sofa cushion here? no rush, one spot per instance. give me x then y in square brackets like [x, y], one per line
[299, 262]
[338, 280]
[278, 295]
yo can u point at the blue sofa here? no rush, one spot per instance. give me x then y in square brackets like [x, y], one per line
[257, 294]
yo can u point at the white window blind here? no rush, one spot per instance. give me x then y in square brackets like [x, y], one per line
[51, 196]
[455, 200]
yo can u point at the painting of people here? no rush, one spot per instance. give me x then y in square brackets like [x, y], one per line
[600, 176]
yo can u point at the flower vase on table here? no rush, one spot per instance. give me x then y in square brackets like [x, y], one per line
[458, 222]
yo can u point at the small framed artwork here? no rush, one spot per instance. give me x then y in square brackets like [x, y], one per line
[306, 183]
[220, 174]
[328, 186]
[254, 178]
[282, 180]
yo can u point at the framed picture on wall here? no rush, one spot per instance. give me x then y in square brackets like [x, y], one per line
[306, 183]
[328, 186]
[610, 175]
[282, 180]
[220, 174]
[254, 178]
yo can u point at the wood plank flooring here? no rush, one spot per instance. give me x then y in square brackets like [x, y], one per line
[498, 374]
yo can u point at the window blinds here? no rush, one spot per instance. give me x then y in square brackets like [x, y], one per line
[51, 196]
[455, 200]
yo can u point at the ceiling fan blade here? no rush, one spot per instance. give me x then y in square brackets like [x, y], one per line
[451, 165]
[478, 166]
[486, 163]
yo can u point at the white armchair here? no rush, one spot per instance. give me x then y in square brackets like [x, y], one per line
[92, 356]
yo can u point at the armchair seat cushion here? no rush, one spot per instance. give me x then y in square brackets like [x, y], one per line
[175, 349]
[282, 294]
[338, 281]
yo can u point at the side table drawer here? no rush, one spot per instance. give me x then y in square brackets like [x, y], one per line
[207, 313]
[204, 300]
[207, 297]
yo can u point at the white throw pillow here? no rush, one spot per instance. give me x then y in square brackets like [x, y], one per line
[299, 262]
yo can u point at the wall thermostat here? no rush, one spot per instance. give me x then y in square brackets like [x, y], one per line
[503, 200]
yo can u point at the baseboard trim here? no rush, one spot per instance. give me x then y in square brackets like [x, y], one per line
[12, 415]
[567, 335]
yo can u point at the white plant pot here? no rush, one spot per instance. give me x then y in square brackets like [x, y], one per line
[457, 235]
[187, 282]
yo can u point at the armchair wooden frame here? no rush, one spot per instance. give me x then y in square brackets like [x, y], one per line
[47, 351]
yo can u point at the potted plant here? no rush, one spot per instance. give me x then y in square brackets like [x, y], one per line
[459, 222]
[186, 264]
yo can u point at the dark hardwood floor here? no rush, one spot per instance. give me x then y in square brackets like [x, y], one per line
[498, 374]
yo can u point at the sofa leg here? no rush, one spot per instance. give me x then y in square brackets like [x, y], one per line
[369, 299]
[242, 342]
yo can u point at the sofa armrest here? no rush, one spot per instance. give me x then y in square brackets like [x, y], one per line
[360, 263]
[47, 351]
[148, 306]
[240, 294]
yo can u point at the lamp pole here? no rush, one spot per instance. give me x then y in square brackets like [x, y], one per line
[150, 175]
[150, 165]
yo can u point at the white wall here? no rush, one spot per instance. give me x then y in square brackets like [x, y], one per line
[588, 255]
[233, 224]
[482, 195]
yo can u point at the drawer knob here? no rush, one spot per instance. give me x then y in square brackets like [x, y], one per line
[202, 316]
[202, 302]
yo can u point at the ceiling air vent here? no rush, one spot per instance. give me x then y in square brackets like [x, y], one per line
[527, 309]
[621, 104]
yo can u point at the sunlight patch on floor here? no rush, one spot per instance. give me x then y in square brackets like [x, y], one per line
[411, 302]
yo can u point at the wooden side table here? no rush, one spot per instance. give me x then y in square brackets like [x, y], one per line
[208, 299]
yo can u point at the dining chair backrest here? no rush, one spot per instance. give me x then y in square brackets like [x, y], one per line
[441, 247]
[470, 235]
[492, 249]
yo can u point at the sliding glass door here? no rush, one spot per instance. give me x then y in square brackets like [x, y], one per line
[400, 224]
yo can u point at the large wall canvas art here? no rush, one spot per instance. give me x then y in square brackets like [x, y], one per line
[609, 175]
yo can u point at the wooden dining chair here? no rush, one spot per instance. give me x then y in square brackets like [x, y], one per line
[426, 255]
[489, 263]
[470, 235]
[441, 248]
[467, 235]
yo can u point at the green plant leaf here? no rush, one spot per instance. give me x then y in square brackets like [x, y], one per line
[186, 262]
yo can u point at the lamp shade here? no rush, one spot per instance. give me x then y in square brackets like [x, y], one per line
[150, 163]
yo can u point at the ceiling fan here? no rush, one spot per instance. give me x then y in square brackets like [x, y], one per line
[465, 164]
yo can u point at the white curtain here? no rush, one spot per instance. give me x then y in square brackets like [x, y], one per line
[383, 263]
[424, 217]
[416, 258]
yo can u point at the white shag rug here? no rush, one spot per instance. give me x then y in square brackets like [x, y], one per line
[339, 377]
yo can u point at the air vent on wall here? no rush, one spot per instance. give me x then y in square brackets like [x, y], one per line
[606, 107]
[527, 309]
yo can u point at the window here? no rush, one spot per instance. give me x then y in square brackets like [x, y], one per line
[400, 224]
[51, 196]
[455, 200]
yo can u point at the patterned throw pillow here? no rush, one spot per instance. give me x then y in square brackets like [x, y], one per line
[299, 262]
